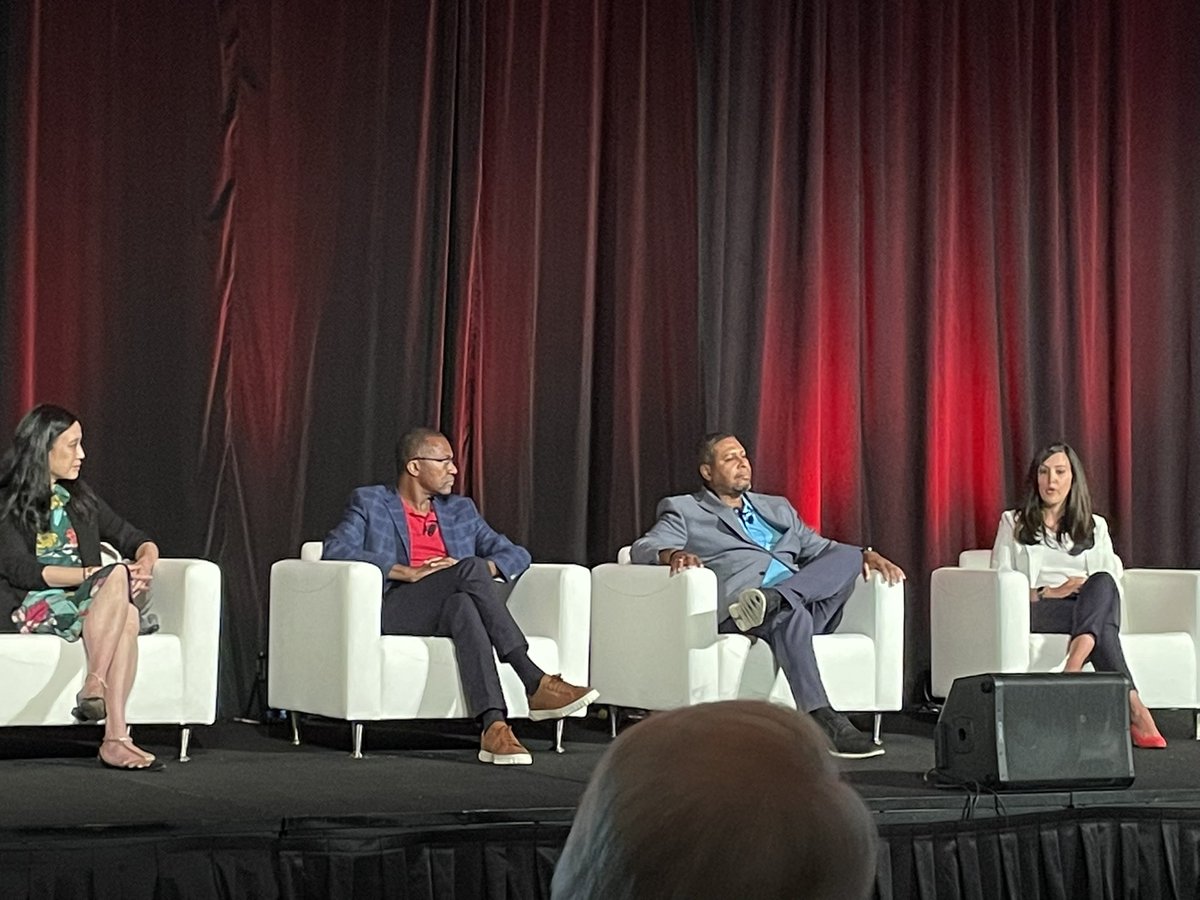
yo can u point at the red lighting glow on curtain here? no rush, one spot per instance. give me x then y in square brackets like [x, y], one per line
[895, 246]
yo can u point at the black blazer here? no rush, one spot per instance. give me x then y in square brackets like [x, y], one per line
[20, 570]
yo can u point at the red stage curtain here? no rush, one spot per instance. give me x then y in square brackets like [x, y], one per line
[894, 245]
[941, 235]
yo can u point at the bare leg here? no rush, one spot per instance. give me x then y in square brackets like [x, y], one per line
[105, 620]
[113, 750]
[1078, 651]
[121, 673]
[1139, 715]
[109, 636]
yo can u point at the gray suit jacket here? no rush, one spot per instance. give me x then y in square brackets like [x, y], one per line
[701, 524]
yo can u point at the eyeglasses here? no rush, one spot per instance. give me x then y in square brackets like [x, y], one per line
[746, 515]
[441, 460]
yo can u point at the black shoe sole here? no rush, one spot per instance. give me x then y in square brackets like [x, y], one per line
[155, 766]
[90, 709]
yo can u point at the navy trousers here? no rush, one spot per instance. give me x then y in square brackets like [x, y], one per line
[1096, 610]
[465, 604]
[813, 599]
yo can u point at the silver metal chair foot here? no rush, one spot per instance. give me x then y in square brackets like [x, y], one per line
[878, 735]
[356, 729]
[1197, 731]
[295, 720]
[185, 736]
[612, 721]
[558, 733]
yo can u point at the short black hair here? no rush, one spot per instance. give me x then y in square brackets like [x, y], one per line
[410, 443]
[708, 443]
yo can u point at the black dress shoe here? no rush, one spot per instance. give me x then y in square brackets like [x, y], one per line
[845, 740]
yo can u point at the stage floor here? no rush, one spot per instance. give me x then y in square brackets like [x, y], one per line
[245, 776]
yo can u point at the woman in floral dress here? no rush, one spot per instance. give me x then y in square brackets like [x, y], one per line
[51, 526]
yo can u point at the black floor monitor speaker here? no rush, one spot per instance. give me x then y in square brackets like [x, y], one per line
[1037, 731]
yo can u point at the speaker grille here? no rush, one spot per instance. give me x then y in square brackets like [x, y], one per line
[1037, 731]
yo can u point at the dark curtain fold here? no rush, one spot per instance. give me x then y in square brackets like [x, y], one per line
[577, 325]
[894, 245]
[335, 299]
[1096, 852]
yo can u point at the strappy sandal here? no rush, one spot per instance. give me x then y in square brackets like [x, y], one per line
[148, 765]
[149, 757]
[91, 709]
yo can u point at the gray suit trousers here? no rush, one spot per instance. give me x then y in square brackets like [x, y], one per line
[813, 599]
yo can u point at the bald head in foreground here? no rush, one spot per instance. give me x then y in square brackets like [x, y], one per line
[731, 799]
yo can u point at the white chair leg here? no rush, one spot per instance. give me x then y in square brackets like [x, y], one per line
[356, 729]
[878, 728]
[1197, 731]
[185, 736]
[558, 733]
[612, 721]
[295, 720]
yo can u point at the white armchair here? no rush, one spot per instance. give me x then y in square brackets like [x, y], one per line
[176, 680]
[327, 657]
[979, 623]
[655, 645]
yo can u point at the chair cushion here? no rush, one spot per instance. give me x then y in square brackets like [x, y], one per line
[749, 672]
[157, 694]
[1163, 665]
[1047, 652]
[41, 674]
[428, 670]
[732, 653]
[842, 659]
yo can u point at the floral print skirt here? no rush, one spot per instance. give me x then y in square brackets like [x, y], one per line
[58, 610]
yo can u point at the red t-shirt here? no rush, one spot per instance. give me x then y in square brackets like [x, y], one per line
[424, 535]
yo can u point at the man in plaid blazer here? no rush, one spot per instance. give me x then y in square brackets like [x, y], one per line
[448, 573]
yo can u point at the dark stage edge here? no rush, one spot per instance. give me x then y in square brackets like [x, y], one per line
[253, 816]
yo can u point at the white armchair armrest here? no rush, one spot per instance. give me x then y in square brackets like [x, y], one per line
[186, 596]
[554, 600]
[979, 622]
[654, 636]
[324, 654]
[1161, 600]
[876, 609]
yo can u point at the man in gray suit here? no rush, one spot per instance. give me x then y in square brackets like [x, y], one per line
[777, 578]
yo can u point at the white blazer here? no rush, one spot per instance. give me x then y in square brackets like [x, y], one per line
[1029, 559]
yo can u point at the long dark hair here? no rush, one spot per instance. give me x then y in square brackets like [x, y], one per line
[1076, 520]
[25, 470]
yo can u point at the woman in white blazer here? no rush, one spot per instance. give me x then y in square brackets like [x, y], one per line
[1066, 552]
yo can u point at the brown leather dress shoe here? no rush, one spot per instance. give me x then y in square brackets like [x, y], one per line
[499, 746]
[556, 698]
